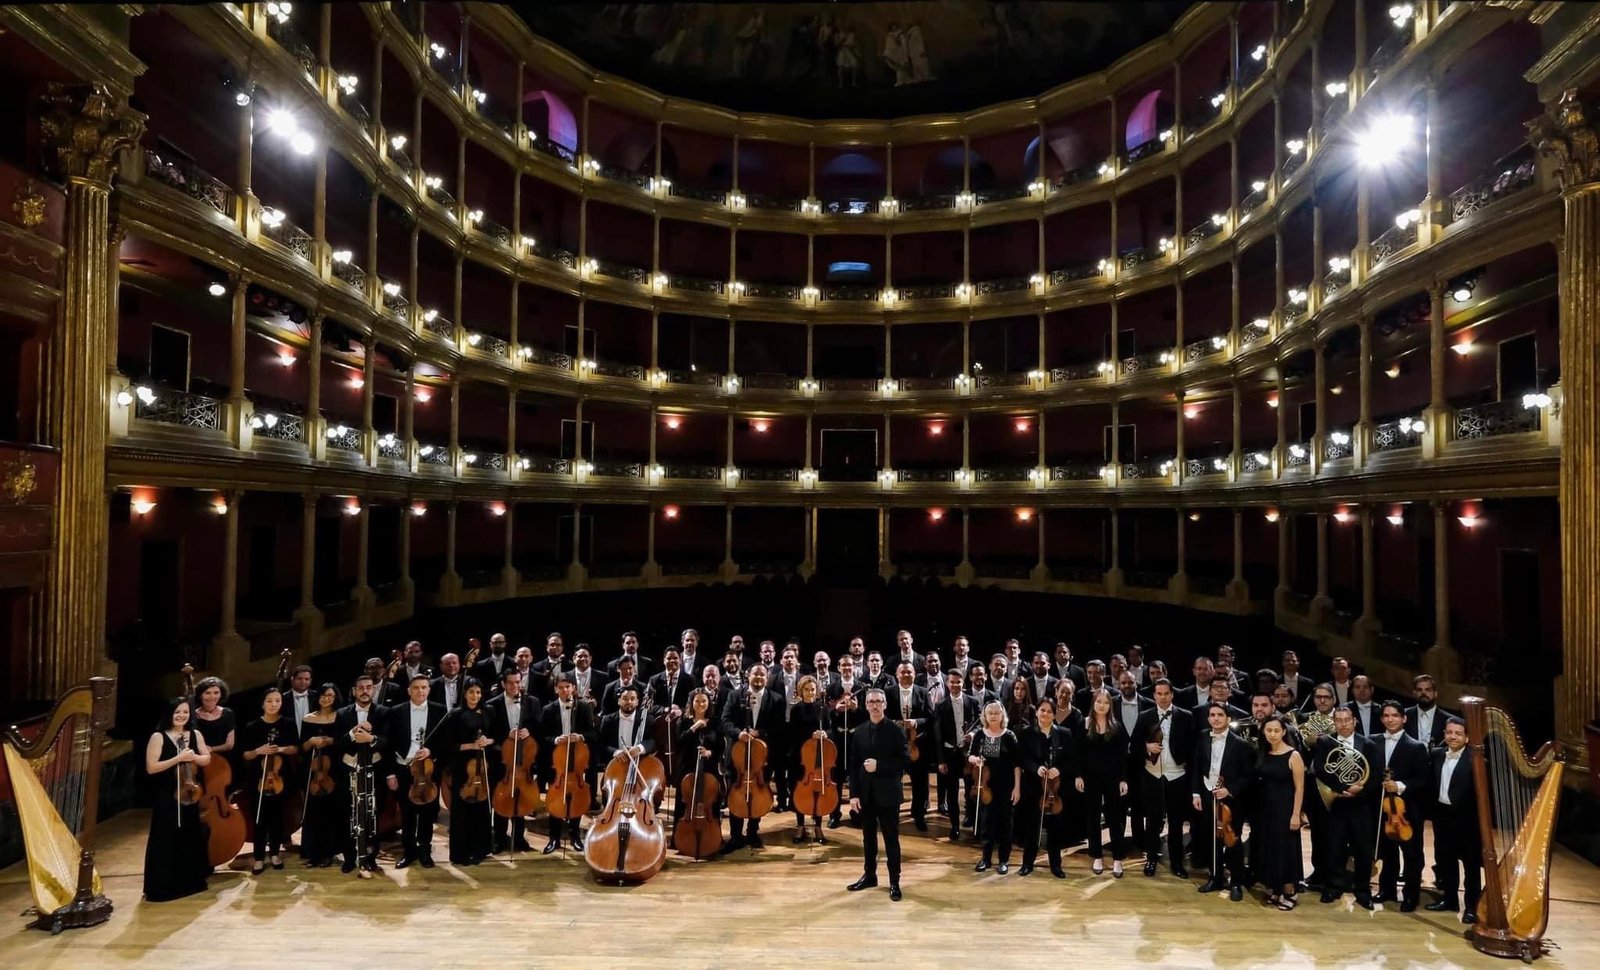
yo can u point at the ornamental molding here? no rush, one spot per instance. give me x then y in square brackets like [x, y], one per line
[1567, 136]
[86, 129]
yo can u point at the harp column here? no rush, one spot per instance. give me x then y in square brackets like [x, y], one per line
[86, 129]
[1567, 138]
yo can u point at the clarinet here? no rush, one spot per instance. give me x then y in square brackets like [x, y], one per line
[363, 803]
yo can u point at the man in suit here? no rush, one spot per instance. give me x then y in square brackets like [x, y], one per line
[1127, 707]
[910, 709]
[875, 789]
[565, 718]
[555, 660]
[689, 659]
[1299, 684]
[906, 654]
[932, 677]
[822, 667]
[511, 713]
[858, 652]
[1041, 682]
[610, 696]
[846, 712]
[955, 717]
[1220, 772]
[1162, 742]
[1000, 676]
[412, 664]
[490, 669]
[642, 666]
[1343, 687]
[627, 728]
[410, 731]
[385, 692]
[1403, 765]
[1199, 692]
[359, 730]
[1369, 714]
[1220, 692]
[588, 683]
[1424, 720]
[755, 712]
[876, 676]
[961, 655]
[1226, 663]
[670, 689]
[1064, 667]
[712, 681]
[1352, 818]
[1453, 809]
[447, 687]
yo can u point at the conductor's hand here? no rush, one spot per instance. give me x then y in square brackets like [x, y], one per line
[855, 805]
[870, 765]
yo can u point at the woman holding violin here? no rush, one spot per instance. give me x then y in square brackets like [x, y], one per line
[1045, 748]
[1280, 804]
[175, 859]
[264, 743]
[327, 806]
[1102, 777]
[996, 765]
[471, 828]
[805, 724]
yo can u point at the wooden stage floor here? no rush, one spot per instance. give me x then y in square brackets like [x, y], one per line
[780, 907]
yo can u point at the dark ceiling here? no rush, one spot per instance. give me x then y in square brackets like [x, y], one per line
[851, 60]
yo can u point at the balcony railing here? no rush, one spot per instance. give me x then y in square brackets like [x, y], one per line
[1154, 146]
[1250, 334]
[1004, 194]
[1133, 259]
[621, 271]
[438, 325]
[181, 408]
[1205, 467]
[930, 291]
[619, 369]
[556, 254]
[1197, 236]
[1077, 573]
[1390, 51]
[1143, 363]
[1299, 454]
[495, 231]
[440, 195]
[1152, 468]
[849, 207]
[1393, 241]
[1510, 175]
[615, 174]
[1253, 200]
[925, 383]
[290, 40]
[924, 476]
[693, 473]
[431, 454]
[354, 108]
[534, 354]
[928, 203]
[1256, 461]
[352, 274]
[1396, 435]
[397, 304]
[1077, 471]
[1202, 349]
[989, 382]
[1015, 473]
[1495, 419]
[401, 160]
[618, 469]
[760, 474]
[1010, 284]
[391, 447]
[693, 284]
[489, 345]
[1072, 274]
[1146, 578]
[1335, 281]
[770, 382]
[1077, 372]
[772, 203]
[167, 165]
[1292, 163]
[850, 383]
[1337, 445]
[773, 291]
[544, 464]
[700, 193]
[856, 292]
[694, 378]
[342, 437]
[555, 150]
[278, 425]
[289, 236]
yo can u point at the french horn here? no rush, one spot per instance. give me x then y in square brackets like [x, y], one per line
[1344, 768]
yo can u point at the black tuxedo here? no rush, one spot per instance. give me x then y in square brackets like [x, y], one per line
[769, 722]
[489, 669]
[597, 684]
[1351, 821]
[1301, 686]
[1083, 700]
[1071, 671]
[961, 665]
[609, 702]
[891, 665]
[643, 667]
[583, 723]
[373, 755]
[436, 691]
[416, 821]
[1234, 714]
[610, 743]
[387, 693]
[1237, 771]
[1372, 724]
[694, 666]
[499, 729]
[1164, 799]
[920, 714]
[663, 698]
[1457, 842]
[879, 791]
[1410, 767]
[952, 751]
[1435, 736]
[881, 682]
[1050, 683]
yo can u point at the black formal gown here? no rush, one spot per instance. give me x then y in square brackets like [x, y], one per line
[1278, 859]
[176, 863]
[471, 823]
[1002, 757]
[327, 820]
[266, 808]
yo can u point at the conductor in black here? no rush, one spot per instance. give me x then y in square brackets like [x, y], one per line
[876, 775]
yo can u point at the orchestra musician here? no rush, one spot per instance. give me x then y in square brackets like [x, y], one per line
[268, 735]
[907, 654]
[491, 668]
[757, 711]
[1352, 818]
[175, 855]
[1221, 771]
[466, 732]
[699, 737]
[689, 660]
[1045, 749]
[712, 682]
[630, 651]
[410, 729]
[566, 718]
[994, 752]
[909, 705]
[446, 688]
[954, 720]
[672, 686]
[361, 745]
[385, 693]
[961, 657]
[806, 722]
[875, 790]
[1424, 720]
[327, 814]
[1403, 765]
[627, 728]
[588, 683]
[512, 713]
[1280, 790]
[1158, 754]
[554, 660]
[1453, 809]
[299, 701]
[412, 664]
[846, 712]
[215, 722]
[1102, 777]
[1041, 682]
[610, 697]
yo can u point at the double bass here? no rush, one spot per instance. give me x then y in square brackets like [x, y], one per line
[628, 842]
[225, 824]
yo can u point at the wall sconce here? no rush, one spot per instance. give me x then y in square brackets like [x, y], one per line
[1295, 145]
[1336, 390]
[890, 297]
[142, 506]
[1194, 516]
[397, 142]
[935, 428]
[669, 511]
[528, 244]
[497, 509]
[425, 450]
[1165, 357]
[1463, 348]
[935, 515]
[217, 289]
[737, 201]
[1336, 88]
[760, 425]
[809, 294]
[659, 282]
[1191, 412]
[357, 382]
[810, 207]
[731, 384]
[1342, 516]
[887, 478]
[1537, 399]
[889, 205]
[1262, 458]
[964, 290]
[1022, 425]
[391, 289]
[1412, 426]
[1106, 168]
[1024, 515]
[423, 395]
[1392, 371]
[1297, 451]
[673, 422]
[886, 387]
[1272, 402]
[809, 385]
[418, 509]
[733, 477]
[1339, 438]
[1395, 519]
[1272, 515]
[1469, 521]
[351, 508]
[808, 478]
[965, 201]
[470, 458]
[1219, 464]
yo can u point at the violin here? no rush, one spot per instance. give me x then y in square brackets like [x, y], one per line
[1224, 807]
[272, 768]
[815, 795]
[750, 795]
[699, 833]
[569, 795]
[189, 790]
[979, 774]
[1050, 801]
[423, 789]
[1396, 826]
[225, 825]
[628, 842]
[474, 787]
[517, 794]
[321, 776]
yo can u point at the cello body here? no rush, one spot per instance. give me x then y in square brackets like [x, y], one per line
[698, 834]
[517, 793]
[628, 842]
[816, 795]
[569, 795]
[225, 823]
[750, 796]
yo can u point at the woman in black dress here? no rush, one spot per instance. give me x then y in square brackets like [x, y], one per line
[266, 740]
[327, 815]
[215, 722]
[805, 723]
[995, 747]
[1103, 779]
[1019, 704]
[1281, 788]
[175, 855]
[700, 740]
[471, 824]
[1046, 751]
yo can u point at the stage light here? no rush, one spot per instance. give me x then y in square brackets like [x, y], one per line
[1461, 294]
[1383, 140]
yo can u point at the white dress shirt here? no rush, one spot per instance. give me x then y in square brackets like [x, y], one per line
[1341, 693]
[1219, 743]
[302, 705]
[419, 730]
[625, 728]
[1451, 759]
[1170, 769]
[1138, 674]
[566, 718]
[906, 696]
[514, 713]
[1390, 742]
[450, 694]
[1425, 724]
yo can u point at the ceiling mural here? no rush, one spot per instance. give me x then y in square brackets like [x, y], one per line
[841, 60]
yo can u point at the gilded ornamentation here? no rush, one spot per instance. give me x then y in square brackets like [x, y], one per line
[18, 479]
[28, 205]
[86, 129]
[1566, 135]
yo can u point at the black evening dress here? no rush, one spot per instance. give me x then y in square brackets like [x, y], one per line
[327, 818]
[176, 863]
[1278, 860]
[471, 824]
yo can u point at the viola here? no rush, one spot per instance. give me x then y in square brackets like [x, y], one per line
[1396, 826]
[628, 842]
[423, 789]
[569, 795]
[750, 796]
[1224, 807]
[474, 788]
[272, 768]
[517, 793]
[320, 781]
[699, 833]
[979, 774]
[189, 791]
[815, 794]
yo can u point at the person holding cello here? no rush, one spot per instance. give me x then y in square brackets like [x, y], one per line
[411, 727]
[511, 716]
[755, 713]
[806, 724]
[1046, 750]
[699, 738]
[467, 729]
[564, 719]
[327, 808]
[875, 789]
[263, 744]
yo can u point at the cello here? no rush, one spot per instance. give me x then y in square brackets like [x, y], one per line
[569, 795]
[628, 842]
[750, 796]
[517, 793]
[225, 832]
[816, 795]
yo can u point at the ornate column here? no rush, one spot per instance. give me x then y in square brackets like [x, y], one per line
[1570, 141]
[1367, 625]
[1362, 438]
[85, 131]
[509, 578]
[450, 582]
[1238, 590]
[237, 419]
[1322, 603]
[229, 651]
[1441, 659]
[307, 615]
[1178, 584]
[362, 594]
[1113, 576]
[1438, 408]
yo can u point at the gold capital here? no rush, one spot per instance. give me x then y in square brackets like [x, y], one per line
[1566, 135]
[86, 129]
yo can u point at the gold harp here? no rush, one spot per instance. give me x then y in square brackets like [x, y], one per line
[1517, 801]
[56, 781]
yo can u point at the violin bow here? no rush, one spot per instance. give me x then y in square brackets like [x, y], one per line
[977, 789]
